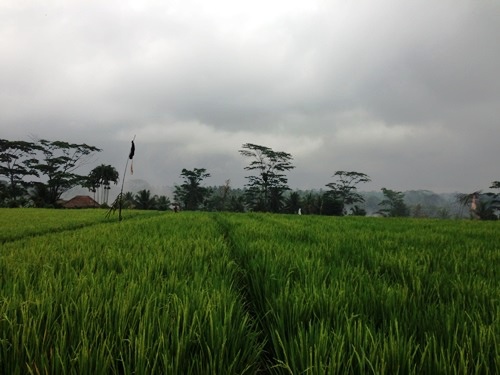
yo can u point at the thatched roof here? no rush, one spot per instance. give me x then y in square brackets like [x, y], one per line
[81, 201]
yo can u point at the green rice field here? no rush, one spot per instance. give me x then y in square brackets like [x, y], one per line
[227, 293]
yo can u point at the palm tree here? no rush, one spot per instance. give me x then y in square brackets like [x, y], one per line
[468, 200]
[101, 177]
[109, 174]
[162, 203]
[311, 203]
[144, 201]
[191, 193]
[484, 206]
[293, 203]
[128, 200]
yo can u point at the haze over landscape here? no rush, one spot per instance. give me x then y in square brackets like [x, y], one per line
[406, 92]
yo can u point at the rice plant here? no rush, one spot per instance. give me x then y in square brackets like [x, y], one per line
[149, 296]
[220, 293]
[359, 295]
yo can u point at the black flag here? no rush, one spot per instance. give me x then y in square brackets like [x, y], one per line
[130, 156]
[118, 201]
[132, 151]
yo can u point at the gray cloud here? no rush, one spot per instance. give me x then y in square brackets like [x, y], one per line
[407, 92]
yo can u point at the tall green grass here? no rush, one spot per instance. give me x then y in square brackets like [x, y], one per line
[142, 297]
[351, 295]
[250, 293]
[21, 223]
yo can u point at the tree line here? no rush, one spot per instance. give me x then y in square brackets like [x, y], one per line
[37, 173]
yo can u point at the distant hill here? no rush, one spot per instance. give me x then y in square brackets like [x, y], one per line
[422, 203]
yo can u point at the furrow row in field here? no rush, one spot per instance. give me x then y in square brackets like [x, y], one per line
[140, 296]
[330, 298]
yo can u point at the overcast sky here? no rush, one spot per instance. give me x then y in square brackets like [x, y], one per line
[407, 92]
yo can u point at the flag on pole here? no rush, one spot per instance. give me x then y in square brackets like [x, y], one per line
[131, 157]
[118, 201]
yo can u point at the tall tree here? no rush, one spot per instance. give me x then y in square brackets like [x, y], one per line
[495, 185]
[293, 203]
[128, 200]
[312, 203]
[468, 201]
[219, 199]
[191, 194]
[331, 205]
[39, 195]
[163, 203]
[486, 208]
[60, 161]
[17, 161]
[144, 201]
[266, 188]
[393, 205]
[495, 203]
[344, 189]
[99, 179]
[483, 206]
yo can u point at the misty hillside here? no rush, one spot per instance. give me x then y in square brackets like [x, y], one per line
[422, 203]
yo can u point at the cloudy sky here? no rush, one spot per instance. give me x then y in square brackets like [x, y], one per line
[407, 92]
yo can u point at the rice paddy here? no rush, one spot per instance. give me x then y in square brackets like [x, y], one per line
[221, 293]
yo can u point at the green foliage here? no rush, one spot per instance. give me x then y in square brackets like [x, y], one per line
[162, 203]
[137, 298]
[144, 201]
[312, 203]
[292, 203]
[29, 222]
[225, 198]
[393, 205]
[495, 185]
[223, 293]
[59, 162]
[370, 296]
[191, 194]
[265, 189]
[100, 178]
[128, 200]
[331, 205]
[483, 206]
[54, 162]
[17, 161]
[495, 199]
[344, 189]
[487, 207]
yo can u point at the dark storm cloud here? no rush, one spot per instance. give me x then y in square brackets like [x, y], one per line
[407, 92]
